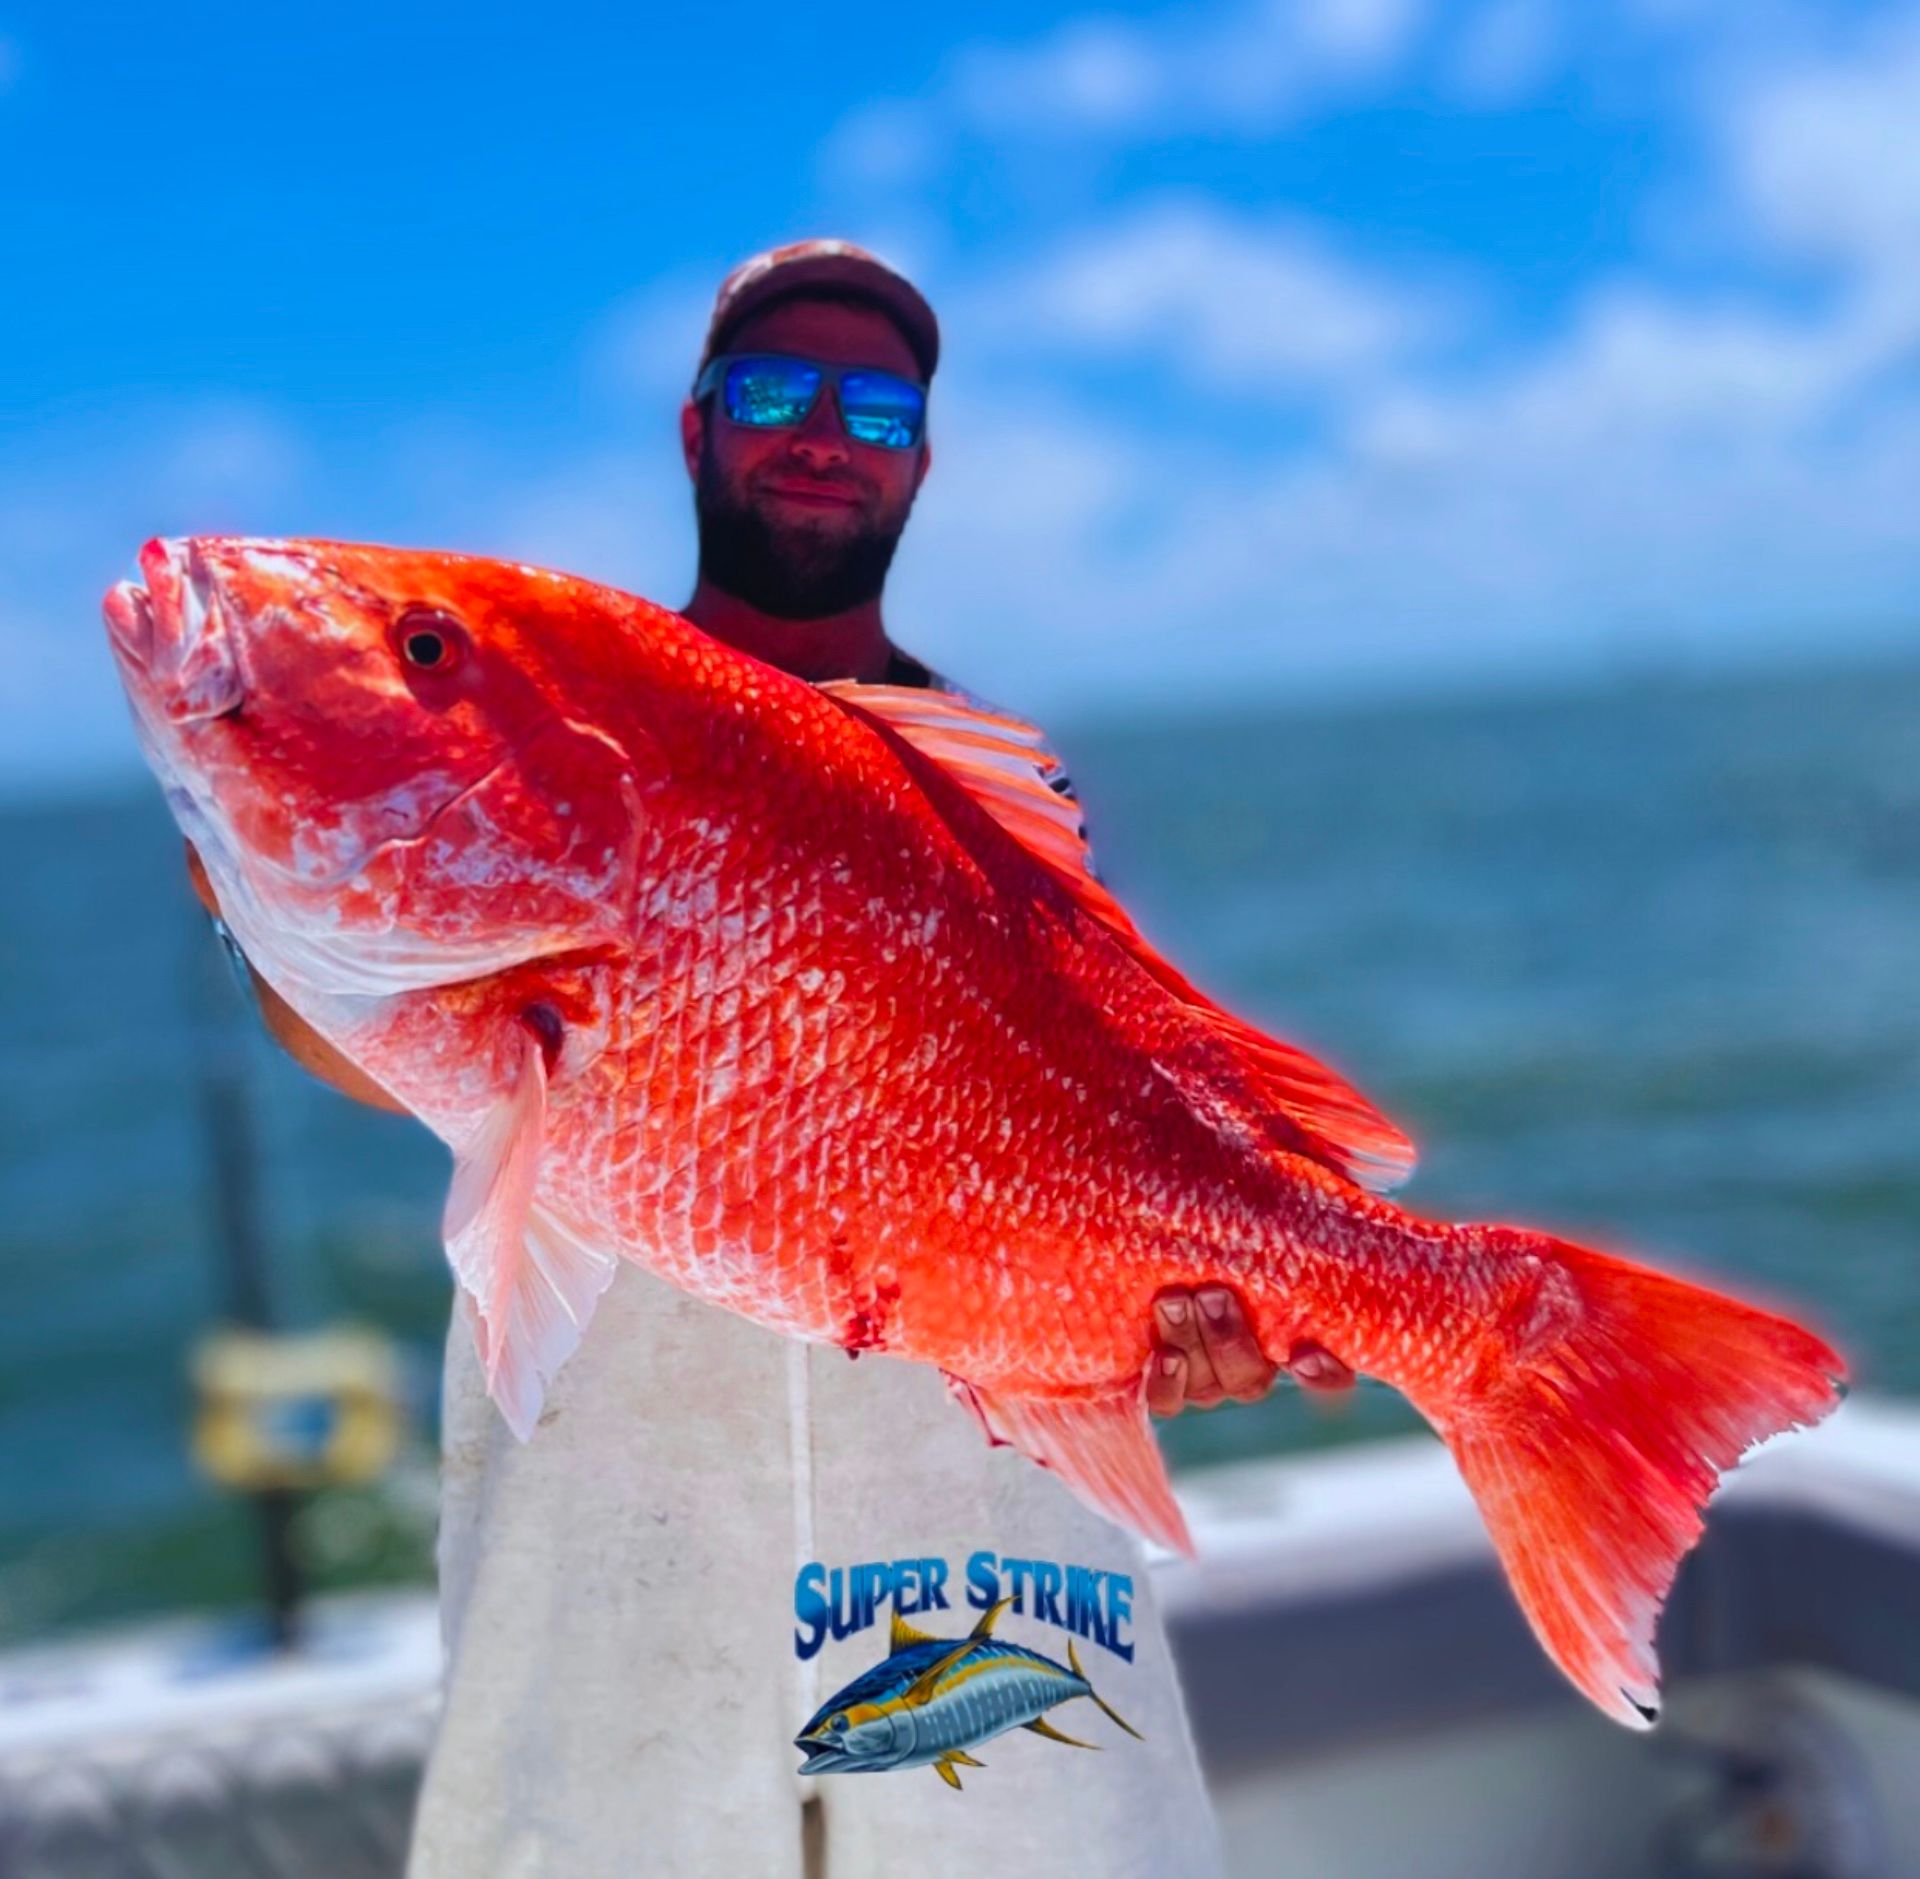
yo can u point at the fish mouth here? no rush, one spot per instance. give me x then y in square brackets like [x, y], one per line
[822, 1757]
[172, 634]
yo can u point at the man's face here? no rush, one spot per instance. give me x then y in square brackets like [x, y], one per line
[803, 522]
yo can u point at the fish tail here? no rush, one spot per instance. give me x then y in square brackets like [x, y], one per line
[1594, 1427]
[1100, 1702]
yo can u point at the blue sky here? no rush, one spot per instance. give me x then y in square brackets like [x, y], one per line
[1291, 349]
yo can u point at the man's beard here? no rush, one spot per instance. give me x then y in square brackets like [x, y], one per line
[793, 572]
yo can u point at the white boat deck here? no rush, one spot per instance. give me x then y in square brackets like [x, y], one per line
[1365, 1696]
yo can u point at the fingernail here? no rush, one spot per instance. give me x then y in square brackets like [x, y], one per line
[1169, 1363]
[1214, 1304]
[1174, 1311]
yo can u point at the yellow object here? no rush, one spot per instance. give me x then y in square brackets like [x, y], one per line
[312, 1411]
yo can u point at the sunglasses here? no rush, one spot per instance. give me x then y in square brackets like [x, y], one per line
[768, 391]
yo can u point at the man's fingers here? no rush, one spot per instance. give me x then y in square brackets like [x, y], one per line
[1166, 1383]
[1237, 1358]
[1316, 1369]
[202, 887]
[1176, 1326]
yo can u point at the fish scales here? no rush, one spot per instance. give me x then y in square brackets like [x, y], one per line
[806, 998]
[751, 1141]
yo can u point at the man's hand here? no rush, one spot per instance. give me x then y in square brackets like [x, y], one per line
[1204, 1353]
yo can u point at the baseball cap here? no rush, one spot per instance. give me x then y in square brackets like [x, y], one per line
[840, 265]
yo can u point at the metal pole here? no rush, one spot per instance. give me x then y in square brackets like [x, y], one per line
[240, 1243]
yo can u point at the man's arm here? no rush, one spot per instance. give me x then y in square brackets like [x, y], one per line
[290, 1031]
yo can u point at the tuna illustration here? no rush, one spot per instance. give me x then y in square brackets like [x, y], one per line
[933, 1699]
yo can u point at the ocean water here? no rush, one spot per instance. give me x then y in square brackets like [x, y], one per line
[1636, 964]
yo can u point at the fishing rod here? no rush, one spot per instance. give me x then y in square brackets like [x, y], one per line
[239, 1245]
[281, 1414]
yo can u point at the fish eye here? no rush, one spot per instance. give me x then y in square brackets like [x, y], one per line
[428, 640]
[838, 1724]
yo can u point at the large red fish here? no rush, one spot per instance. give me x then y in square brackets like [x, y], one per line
[804, 997]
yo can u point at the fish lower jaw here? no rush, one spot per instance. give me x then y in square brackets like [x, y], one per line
[825, 1761]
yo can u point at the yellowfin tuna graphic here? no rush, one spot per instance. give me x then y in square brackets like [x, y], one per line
[934, 1699]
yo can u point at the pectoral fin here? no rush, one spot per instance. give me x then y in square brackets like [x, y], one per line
[530, 1279]
[922, 1688]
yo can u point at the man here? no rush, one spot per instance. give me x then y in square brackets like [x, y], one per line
[713, 1527]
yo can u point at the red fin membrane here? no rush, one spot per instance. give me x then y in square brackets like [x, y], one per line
[1003, 766]
[1592, 1450]
[1100, 1446]
[531, 1282]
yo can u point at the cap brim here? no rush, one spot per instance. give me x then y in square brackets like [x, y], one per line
[846, 273]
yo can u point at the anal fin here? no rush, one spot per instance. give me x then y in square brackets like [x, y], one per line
[1100, 1446]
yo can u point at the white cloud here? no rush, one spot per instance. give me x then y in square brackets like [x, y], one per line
[1350, 35]
[891, 144]
[1504, 50]
[1671, 459]
[1256, 305]
[623, 516]
[1636, 367]
[1249, 65]
[1100, 74]
[1708, 477]
[1828, 155]
[642, 352]
[228, 459]
[1705, 473]
[1576, 509]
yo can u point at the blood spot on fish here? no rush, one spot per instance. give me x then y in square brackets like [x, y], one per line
[866, 1325]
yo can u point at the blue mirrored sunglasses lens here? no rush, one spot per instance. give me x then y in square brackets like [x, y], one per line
[878, 408]
[771, 392]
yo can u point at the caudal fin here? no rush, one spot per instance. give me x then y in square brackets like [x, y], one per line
[1593, 1444]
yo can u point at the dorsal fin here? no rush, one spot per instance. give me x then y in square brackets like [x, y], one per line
[1003, 764]
[904, 1634]
[988, 1619]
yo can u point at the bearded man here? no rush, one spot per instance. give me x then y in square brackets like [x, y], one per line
[713, 1527]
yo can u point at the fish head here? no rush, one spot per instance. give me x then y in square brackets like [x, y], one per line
[844, 1737]
[382, 756]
